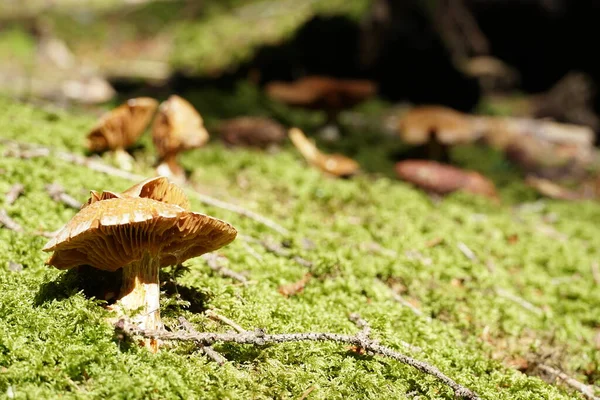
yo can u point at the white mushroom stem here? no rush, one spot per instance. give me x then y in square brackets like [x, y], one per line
[140, 293]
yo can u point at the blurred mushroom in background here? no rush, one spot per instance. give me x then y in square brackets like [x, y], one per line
[120, 128]
[259, 132]
[177, 127]
[323, 93]
[332, 164]
[438, 128]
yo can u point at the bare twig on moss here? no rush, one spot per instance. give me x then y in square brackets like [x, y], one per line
[466, 251]
[520, 301]
[207, 350]
[213, 263]
[26, 150]
[278, 250]
[13, 194]
[9, 223]
[308, 391]
[363, 325]
[587, 391]
[221, 318]
[58, 194]
[259, 337]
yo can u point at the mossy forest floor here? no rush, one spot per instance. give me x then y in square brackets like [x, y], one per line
[527, 294]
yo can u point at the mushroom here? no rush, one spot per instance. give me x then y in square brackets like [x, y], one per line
[332, 164]
[252, 132]
[120, 128]
[139, 235]
[177, 127]
[322, 92]
[437, 127]
[443, 179]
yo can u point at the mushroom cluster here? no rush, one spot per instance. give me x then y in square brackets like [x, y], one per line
[145, 228]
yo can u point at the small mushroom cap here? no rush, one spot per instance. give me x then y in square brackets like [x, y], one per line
[322, 91]
[177, 127]
[449, 126]
[121, 127]
[113, 233]
[158, 188]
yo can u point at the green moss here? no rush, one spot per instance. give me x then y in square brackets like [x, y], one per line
[55, 341]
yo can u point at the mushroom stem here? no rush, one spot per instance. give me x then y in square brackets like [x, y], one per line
[140, 291]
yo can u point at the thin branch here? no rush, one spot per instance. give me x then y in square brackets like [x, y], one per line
[587, 391]
[466, 251]
[212, 262]
[308, 391]
[58, 194]
[258, 337]
[25, 150]
[221, 318]
[278, 250]
[362, 324]
[207, 350]
[9, 223]
[520, 301]
[13, 194]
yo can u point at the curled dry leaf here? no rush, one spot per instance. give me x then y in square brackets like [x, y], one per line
[139, 235]
[442, 178]
[333, 164]
[296, 287]
[257, 132]
[322, 92]
[121, 127]
[177, 127]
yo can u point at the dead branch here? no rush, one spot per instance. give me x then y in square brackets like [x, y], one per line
[466, 251]
[13, 194]
[278, 250]
[58, 194]
[9, 223]
[259, 337]
[207, 350]
[520, 301]
[587, 391]
[26, 150]
[221, 318]
[212, 262]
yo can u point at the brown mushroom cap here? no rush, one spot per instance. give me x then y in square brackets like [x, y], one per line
[113, 233]
[121, 127]
[322, 92]
[158, 188]
[448, 126]
[177, 127]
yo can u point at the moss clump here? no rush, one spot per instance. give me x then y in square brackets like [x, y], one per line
[363, 236]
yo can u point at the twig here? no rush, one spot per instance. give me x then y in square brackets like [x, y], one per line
[278, 250]
[207, 350]
[308, 391]
[218, 317]
[596, 272]
[520, 301]
[13, 194]
[362, 324]
[258, 337]
[252, 252]
[466, 251]
[587, 391]
[8, 222]
[57, 193]
[211, 261]
[30, 150]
